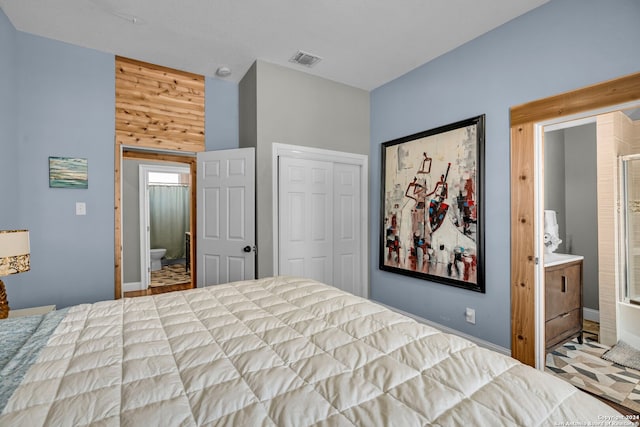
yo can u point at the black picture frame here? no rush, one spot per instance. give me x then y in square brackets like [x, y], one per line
[432, 205]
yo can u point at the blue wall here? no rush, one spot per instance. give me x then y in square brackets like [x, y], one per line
[560, 46]
[58, 99]
[8, 126]
[221, 114]
[65, 99]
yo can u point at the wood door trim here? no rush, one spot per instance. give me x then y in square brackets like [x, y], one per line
[523, 120]
[600, 95]
[124, 153]
[118, 223]
[158, 156]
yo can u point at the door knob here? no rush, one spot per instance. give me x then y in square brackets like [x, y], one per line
[247, 249]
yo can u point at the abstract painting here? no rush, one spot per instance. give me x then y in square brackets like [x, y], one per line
[68, 172]
[432, 205]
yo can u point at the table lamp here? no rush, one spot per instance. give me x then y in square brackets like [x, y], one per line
[14, 258]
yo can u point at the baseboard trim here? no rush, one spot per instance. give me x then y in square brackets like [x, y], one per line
[478, 341]
[131, 286]
[591, 314]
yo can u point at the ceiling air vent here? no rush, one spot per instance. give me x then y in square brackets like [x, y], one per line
[304, 58]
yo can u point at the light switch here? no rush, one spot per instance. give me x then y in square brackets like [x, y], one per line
[81, 208]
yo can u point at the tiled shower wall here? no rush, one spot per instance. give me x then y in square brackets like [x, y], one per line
[617, 136]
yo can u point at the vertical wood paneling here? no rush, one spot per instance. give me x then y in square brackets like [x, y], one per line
[159, 107]
[523, 244]
[118, 223]
[523, 118]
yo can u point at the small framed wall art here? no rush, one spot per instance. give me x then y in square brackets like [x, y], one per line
[68, 172]
[432, 205]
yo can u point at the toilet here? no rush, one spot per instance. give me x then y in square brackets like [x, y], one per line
[156, 258]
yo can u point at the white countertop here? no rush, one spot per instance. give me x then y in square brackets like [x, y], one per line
[557, 259]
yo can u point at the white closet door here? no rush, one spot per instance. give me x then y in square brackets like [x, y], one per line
[306, 219]
[346, 231]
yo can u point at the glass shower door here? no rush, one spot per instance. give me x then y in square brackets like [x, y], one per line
[630, 212]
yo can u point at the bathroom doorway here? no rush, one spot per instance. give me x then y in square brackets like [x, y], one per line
[165, 233]
[158, 216]
[581, 184]
[570, 194]
[590, 182]
[526, 121]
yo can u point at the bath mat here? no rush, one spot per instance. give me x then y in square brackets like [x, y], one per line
[623, 354]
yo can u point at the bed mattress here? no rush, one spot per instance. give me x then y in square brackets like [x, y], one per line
[279, 351]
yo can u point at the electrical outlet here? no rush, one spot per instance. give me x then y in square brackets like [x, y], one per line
[470, 315]
[81, 208]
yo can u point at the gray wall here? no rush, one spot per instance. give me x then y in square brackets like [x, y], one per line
[296, 108]
[130, 221]
[58, 100]
[581, 205]
[570, 189]
[248, 94]
[586, 41]
[554, 181]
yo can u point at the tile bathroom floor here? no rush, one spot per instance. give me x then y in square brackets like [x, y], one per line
[170, 275]
[582, 366]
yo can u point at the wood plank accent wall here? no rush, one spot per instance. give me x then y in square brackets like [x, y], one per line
[523, 244]
[159, 107]
[523, 120]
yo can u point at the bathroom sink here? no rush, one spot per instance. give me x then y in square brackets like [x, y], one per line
[556, 259]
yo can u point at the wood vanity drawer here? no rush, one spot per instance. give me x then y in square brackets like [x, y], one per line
[559, 329]
[563, 289]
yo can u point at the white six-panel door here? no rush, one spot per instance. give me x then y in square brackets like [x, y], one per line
[306, 220]
[225, 216]
[319, 223]
[346, 231]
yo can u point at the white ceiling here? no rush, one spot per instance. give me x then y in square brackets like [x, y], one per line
[363, 43]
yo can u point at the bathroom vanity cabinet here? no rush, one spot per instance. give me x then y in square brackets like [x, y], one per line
[563, 299]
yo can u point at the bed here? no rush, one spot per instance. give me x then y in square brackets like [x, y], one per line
[278, 351]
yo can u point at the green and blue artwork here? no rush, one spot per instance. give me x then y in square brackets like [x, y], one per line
[68, 172]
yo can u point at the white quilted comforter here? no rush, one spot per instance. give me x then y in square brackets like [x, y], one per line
[278, 351]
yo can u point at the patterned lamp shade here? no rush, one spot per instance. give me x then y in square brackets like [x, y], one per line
[14, 258]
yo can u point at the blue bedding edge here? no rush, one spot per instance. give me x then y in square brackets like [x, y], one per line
[22, 339]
